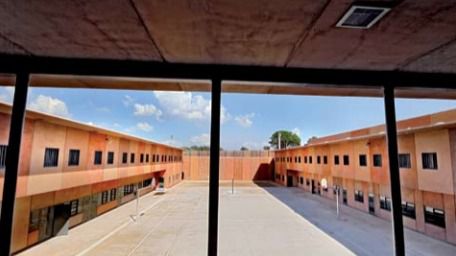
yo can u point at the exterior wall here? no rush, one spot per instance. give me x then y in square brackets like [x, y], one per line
[421, 187]
[43, 188]
[245, 166]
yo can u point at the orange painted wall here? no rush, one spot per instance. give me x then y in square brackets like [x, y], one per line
[245, 166]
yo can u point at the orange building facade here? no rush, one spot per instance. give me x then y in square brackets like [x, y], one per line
[356, 162]
[72, 172]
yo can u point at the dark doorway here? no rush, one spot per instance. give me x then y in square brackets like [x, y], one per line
[344, 196]
[313, 187]
[289, 181]
[371, 204]
[61, 217]
[182, 176]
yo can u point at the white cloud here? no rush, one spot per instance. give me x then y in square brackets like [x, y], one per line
[145, 127]
[127, 100]
[147, 110]
[188, 106]
[50, 105]
[6, 94]
[245, 120]
[296, 131]
[201, 140]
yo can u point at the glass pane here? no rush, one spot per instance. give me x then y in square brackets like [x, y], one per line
[294, 209]
[99, 165]
[426, 157]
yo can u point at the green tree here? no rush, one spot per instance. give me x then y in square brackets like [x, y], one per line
[244, 149]
[287, 139]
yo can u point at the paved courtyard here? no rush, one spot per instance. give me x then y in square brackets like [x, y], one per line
[255, 220]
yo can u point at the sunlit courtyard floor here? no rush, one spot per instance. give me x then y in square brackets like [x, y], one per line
[255, 220]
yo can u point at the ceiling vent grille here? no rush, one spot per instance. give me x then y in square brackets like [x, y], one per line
[362, 17]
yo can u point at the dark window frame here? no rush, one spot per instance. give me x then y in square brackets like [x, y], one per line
[405, 161]
[429, 164]
[362, 160]
[3, 149]
[73, 157]
[336, 160]
[346, 160]
[434, 216]
[98, 157]
[110, 158]
[51, 157]
[377, 160]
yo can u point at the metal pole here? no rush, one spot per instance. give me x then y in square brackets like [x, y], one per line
[214, 168]
[337, 201]
[12, 162]
[137, 205]
[391, 134]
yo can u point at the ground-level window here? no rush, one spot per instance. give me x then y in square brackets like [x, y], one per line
[73, 157]
[362, 160]
[113, 194]
[404, 161]
[429, 160]
[307, 183]
[74, 207]
[408, 209]
[51, 157]
[128, 189]
[359, 196]
[301, 180]
[377, 160]
[2, 156]
[147, 182]
[385, 203]
[434, 216]
[104, 197]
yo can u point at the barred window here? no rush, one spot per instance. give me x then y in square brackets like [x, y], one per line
[73, 157]
[377, 160]
[346, 160]
[51, 157]
[104, 197]
[74, 207]
[98, 157]
[110, 157]
[113, 194]
[429, 160]
[359, 196]
[404, 161]
[408, 209]
[434, 216]
[124, 158]
[385, 203]
[362, 160]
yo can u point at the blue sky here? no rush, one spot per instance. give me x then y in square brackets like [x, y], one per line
[182, 118]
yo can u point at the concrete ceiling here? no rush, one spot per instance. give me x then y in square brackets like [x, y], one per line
[417, 35]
